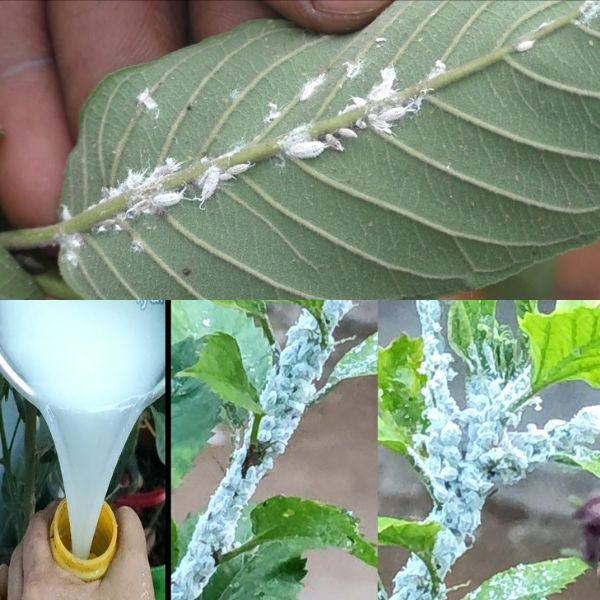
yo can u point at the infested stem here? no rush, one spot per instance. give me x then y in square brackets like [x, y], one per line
[86, 220]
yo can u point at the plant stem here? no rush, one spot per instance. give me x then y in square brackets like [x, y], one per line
[84, 221]
[30, 462]
[254, 434]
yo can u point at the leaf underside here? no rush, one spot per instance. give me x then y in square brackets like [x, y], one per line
[496, 172]
[15, 283]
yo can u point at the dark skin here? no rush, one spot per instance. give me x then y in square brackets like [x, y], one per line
[53, 54]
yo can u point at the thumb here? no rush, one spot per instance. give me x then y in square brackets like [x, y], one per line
[330, 16]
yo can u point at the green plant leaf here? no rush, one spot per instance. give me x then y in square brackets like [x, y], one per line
[534, 581]
[15, 283]
[359, 361]
[307, 525]
[220, 367]
[195, 411]
[266, 574]
[584, 458]
[159, 582]
[401, 405]
[419, 538]
[565, 346]
[175, 549]
[565, 305]
[196, 319]
[464, 320]
[444, 203]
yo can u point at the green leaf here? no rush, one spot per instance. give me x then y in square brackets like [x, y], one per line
[359, 361]
[401, 405]
[175, 549]
[565, 346]
[15, 283]
[472, 323]
[565, 305]
[158, 416]
[159, 582]
[442, 204]
[419, 538]
[534, 581]
[198, 318]
[308, 525]
[464, 320]
[220, 367]
[584, 458]
[195, 411]
[266, 574]
[523, 307]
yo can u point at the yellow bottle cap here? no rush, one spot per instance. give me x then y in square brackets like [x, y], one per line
[104, 544]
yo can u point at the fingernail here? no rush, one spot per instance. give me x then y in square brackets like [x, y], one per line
[348, 7]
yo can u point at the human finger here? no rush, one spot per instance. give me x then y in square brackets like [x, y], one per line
[93, 38]
[330, 16]
[36, 143]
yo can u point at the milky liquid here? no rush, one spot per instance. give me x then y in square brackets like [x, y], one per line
[92, 367]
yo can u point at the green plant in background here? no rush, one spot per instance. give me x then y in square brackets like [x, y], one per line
[399, 150]
[227, 369]
[31, 475]
[463, 451]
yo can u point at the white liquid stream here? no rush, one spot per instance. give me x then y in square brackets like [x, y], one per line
[92, 367]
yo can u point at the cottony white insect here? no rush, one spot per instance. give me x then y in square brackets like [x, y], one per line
[352, 69]
[589, 10]
[385, 89]
[71, 244]
[209, 182]
[65, 213]
[146, 100]
[274, 112]
[310, 86]
[235, 170]
[165, 199]
[380, 40]
[136, 246]
[525, 45]
[308, 149]
[333, 142]
[347, 133]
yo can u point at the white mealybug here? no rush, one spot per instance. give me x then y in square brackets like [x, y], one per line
[310, 86]
[361, 124]
[65, 213]
[378, 123]
[589, 11]
[136, 246]
[352, 69]
[358, 102]
[209, 182]
[380, 40]
[308, 149]
[393, 114]
[347, 133]
[235, 170]
[333, 142]
[525, 45]
[165, 199]
[273, 113]
[384, 89]
[144, 98]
